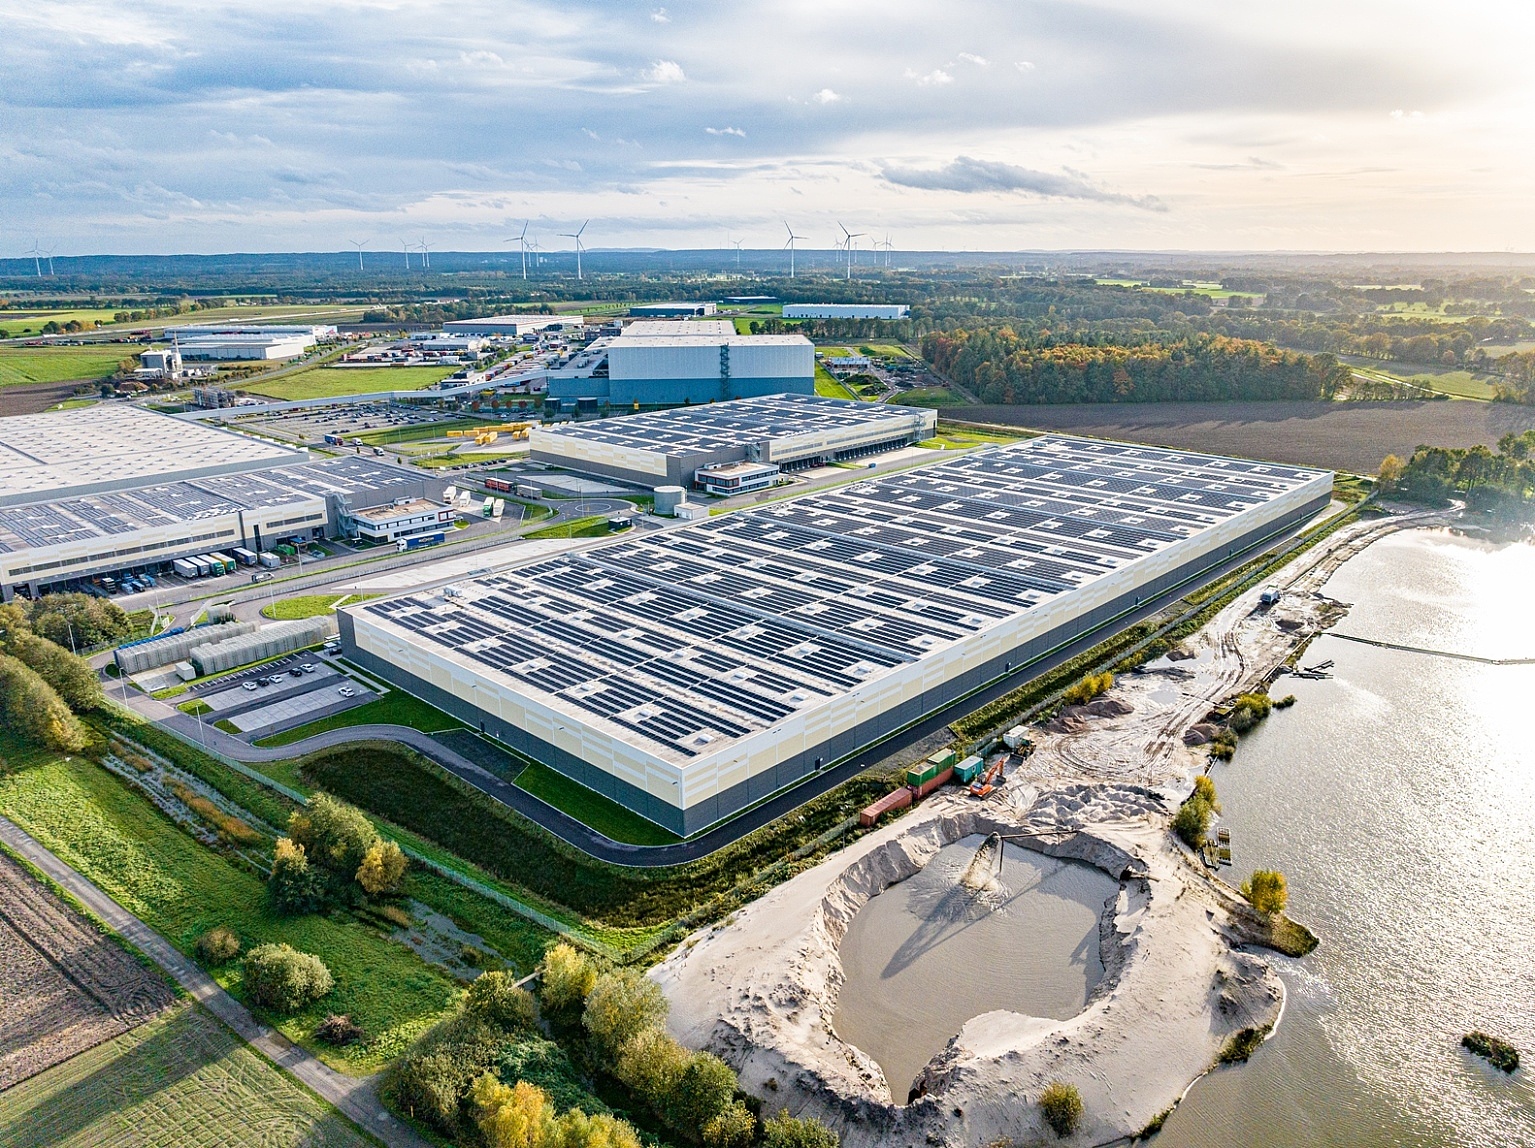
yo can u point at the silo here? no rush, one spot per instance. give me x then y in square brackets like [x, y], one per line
[668, 498]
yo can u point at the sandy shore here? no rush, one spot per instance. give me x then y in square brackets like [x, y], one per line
[1182, 972]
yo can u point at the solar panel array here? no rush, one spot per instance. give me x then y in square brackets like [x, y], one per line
[714, 427]
[42, 524]
[687, 638]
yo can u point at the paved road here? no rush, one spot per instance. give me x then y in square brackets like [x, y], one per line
[355, 1096]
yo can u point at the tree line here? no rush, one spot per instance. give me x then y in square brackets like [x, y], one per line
[1001, 366]
[1501, 480]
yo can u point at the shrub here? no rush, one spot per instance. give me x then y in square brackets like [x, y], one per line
[1204, 788]
[1285, 702]
[735, 1127]
[335, 835]
[544, 1063]
[651, 1064]
[785, 1131]
[1088, 688]
[1498, 1053]
[71, 677]
[1249, 710]
[338, 1030]
[706, 1091]
[1192, 821]
[1223, 745]
[497, 1000]
[34, 711]
[281, 978]
[428, 1081]
[576, 1129]
[511, 1116]
[1267, 890]
[1243, 1044]
[1061, 1105]
[293, 886]
[382, 869]
[218, 945]
[622, 1004]
[567, 977]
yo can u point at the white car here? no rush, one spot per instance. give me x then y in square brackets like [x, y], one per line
[347, 692]
[307, 667]
[249, 686]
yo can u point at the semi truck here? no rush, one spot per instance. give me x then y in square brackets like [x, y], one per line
[185, 568]
[243, 556]
[419, 541]
[227, 565]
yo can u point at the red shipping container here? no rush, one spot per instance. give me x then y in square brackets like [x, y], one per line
[933, 783]
[899, 799]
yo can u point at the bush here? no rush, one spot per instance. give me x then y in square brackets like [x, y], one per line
[567, 977]
[382, 869]
[735, 1127]
[1089, 688]
[651, 1065]
[1498, 1053]
[576, 1129]
[544, 1063]
[218, 945]
[1061, 1105]
[521, 1116]
[1192, 822]
[293, 886]
[428, 1082]
[338, 1030]
[1249, 710]
[71, 678]
[705, 1092]
[1204, 789]
[1267, 890]
[1223, 745]
[1285, 702]
[335, 835]
[281, 978]
[785, 1131]
[621, 1005]
[1243, 1044]
[497, 1000]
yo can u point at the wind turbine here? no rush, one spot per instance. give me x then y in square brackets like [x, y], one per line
[738, 243]
[37, 259]
[848, 242]
[426, 253]
[576, 235]
[48, 255]
[790, 246]
[405, 247]
[888, 246]
[522, 243]
[358, 243]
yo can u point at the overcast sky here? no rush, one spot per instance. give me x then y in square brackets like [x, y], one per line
[170, 126]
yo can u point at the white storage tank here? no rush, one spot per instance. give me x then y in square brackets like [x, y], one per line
[668, 499]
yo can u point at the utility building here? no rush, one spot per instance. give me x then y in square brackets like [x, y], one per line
[789, 432]
[690, 673]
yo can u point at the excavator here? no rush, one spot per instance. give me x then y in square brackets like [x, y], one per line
[988, 781]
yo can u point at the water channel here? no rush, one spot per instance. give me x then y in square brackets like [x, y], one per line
[931, 952]
[1399, 799]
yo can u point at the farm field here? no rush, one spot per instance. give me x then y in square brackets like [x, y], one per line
[20, 366]
[183, 1079]
[927, 397]
[21, 322]
[115, 837]
[1458, 383]
[1342, 436]
[331, 382]
[48, 1016]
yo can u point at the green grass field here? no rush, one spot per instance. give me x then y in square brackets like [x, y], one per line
[927, 397]
[310, 605]
[115, 837]
[26, 321]
[22, 365]
[394, 708]
[591, 808]
[827, 386]
[329, 382]
[181, 1079]
[593, 527]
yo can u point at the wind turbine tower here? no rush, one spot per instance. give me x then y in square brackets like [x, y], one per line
[359, 244]
[576, 235]
[790, 245]
[405, 247]
[848, 243]
[522, 246]
[37, 259]
[426, 253]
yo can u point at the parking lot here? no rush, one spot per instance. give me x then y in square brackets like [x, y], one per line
[348, 420]
[280, 695]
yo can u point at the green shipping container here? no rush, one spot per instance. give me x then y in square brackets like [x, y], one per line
[918, 774]
[969, 769]
[943, 759]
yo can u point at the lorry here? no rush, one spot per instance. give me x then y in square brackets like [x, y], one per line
[225, 561]
[419, 541]
[268, 560]
[184, 568]
[243, 556]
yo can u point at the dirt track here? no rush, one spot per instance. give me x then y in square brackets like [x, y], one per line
[64, 987]
[1341, 436]
[31, 398]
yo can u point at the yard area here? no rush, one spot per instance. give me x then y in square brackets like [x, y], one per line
[22, 365]
[330, 382]
[394, 708]
[183, 1079]
[310, 605]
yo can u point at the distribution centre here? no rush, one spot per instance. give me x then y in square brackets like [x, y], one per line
[690, 672]
[669, 448]
[674, 370]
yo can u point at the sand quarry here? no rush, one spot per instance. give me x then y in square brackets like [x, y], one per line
[1182, 967]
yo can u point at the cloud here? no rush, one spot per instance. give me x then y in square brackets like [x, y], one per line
[968, 175]
[664, 72]
[1024, 65]
[726, 132]
[826, 96]
[936, 78]
[660, 16]
[972, 58]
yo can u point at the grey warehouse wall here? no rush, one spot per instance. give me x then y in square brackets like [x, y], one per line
[706, 812]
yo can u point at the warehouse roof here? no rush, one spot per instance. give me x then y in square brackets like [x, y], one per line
[718, 426]
[660, 328]
[59, 453]
[711, 341]
[679, 642]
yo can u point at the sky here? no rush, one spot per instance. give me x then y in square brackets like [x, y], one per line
[1355, 125]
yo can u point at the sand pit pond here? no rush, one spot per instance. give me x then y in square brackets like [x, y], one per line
[935, 950]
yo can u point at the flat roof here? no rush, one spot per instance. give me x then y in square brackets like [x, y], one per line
[656, 328]
[682, 641]
[398, 510]
[109, 446]
[739, 422]
[53, 522]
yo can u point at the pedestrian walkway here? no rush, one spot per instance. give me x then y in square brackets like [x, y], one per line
[355, 1096]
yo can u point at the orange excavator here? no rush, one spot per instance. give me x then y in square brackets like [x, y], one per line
[988, 781]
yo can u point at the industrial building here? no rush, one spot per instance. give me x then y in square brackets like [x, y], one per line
[243, 348]
[845, 310]
[511, 326]
[112, 488]
[671, 370]
[403, 518]
[665, 328]
[691, 672]
[671, 310]
[314, 332]
[787, 431]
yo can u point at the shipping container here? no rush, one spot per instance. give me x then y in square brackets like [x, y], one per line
[184, 568]
[967, 771]
[943, 758]
[286, 550]
[269, 560]
[528, 490]
[204, 567]
[243, 556]
[917, 774]
[500, 485]
[934, 782]
[899, 799]
[1015, 737]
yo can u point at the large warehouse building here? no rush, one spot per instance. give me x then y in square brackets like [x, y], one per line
[692, 672]
[113, 488]
[845, 310]
[667, 448]
[671, 370]
[511, 326]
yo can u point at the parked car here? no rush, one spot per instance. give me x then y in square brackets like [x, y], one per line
[307, 668]
[347, 692]
[249, 686]
[296, 672]
[261, 577]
